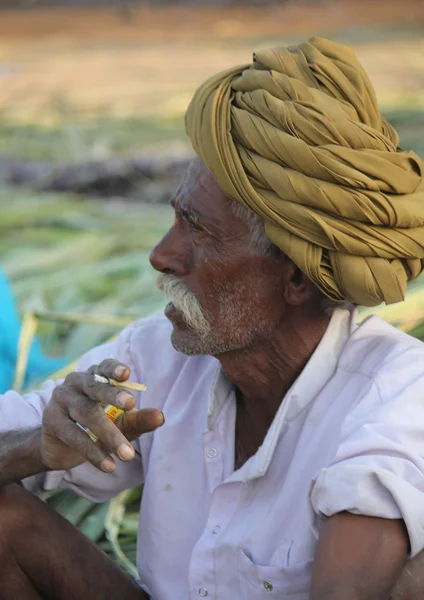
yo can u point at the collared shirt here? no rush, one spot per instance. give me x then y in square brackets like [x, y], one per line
[349, 435]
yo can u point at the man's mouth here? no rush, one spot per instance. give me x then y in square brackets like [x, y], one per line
[187, 311]
[170, 308]
[175, 316]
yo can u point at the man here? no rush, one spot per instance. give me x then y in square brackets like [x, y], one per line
[290, 463]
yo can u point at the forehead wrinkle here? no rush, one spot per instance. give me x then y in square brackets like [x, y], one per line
[199, 190]
[187, 212]
[191, 196]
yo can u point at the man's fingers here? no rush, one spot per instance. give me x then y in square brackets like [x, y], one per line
[85, 384]
[80, 402]
[111, 368]
[135, 423]
[109, 435]
[79, 441]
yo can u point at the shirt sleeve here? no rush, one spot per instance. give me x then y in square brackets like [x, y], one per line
[24, 412]
[378, 469]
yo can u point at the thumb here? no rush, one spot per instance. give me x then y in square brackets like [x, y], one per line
[134, 423]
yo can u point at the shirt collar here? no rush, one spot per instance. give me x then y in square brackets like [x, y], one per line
[220, 391]
[312, 379]
[319, 369]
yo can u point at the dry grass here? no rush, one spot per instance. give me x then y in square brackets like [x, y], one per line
[95, 62]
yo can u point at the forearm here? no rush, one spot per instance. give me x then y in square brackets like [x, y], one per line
[20, 455]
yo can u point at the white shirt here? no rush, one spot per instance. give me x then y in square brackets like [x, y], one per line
[349, 435]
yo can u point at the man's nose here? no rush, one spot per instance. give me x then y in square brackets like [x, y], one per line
[170, 255]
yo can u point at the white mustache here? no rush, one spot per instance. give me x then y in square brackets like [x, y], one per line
[185, 301]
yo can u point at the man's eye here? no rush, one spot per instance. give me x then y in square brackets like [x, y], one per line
[195, 226]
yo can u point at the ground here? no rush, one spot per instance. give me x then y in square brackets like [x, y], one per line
[56, 63]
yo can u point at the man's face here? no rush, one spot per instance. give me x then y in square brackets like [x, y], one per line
[224, 294]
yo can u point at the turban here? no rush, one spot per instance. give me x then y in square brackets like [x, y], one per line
[298, 138]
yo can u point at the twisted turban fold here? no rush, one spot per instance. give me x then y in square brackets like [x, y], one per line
[297, 137]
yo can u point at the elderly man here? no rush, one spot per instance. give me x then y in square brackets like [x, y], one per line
[283, 442]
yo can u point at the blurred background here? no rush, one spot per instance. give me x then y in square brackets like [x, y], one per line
[92, 143]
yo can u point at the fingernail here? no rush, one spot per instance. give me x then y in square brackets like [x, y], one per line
[163, 417]
[108, 465]
[125, 452]
[119, 371]
[124, 398]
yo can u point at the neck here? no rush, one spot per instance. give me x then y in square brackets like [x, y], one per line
[264, 372]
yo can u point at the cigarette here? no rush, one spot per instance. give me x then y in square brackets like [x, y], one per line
[129, 385]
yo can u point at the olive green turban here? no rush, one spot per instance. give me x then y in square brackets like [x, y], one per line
[297, 137]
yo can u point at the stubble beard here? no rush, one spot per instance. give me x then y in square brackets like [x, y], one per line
[240, 321]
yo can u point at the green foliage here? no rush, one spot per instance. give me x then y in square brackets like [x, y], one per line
[74, 139]
[68, 254]
[112, 525]
[71, 138]
[64, 254]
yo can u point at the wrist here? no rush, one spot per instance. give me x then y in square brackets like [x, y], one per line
[20, 455]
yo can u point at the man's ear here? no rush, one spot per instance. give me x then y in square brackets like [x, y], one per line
[299, 288]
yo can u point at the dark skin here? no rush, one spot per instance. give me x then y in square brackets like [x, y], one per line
[62, 568]
[359, 558]
[207, 244]
[44, 557]
[261, 352]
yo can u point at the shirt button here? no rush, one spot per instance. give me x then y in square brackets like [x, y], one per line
[216, 529]
[211, 453]
[268, 586]
[203, 592]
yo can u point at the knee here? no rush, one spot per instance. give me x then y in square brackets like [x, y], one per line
[15, 511]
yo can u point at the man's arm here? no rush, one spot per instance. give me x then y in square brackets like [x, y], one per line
[20, 455]
[358, 558]
[60, 445]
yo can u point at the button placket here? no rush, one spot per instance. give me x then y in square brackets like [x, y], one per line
[213, 458]
[211, 452]
[202, 570]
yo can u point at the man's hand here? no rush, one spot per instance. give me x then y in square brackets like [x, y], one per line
[81, 399]
[358, 558]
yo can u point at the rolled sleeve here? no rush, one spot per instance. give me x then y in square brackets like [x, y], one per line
[378, 469]
[24, 412]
